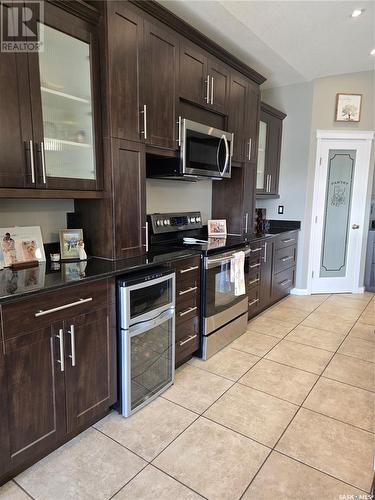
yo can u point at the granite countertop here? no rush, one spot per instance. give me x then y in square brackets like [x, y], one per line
[17, 284]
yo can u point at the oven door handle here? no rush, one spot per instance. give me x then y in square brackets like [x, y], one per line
[210, 262]
[144, 326]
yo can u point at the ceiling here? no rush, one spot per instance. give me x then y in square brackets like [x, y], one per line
[287, 41]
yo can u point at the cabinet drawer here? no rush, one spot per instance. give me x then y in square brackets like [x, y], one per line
[32, 314]
[253, 296]
[286, 240]
[256, 248]
[284, 258]
[187, 274]
[254, 277]
[254, 263]
[185, 348]
[188, 327]
[187, 293]
[282, 283]
[187, 310]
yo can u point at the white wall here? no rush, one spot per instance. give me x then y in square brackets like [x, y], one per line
[296, 102]
[174, 196]
[311, 107]
[50, 215]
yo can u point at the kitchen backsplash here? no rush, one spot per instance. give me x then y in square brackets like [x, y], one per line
[176, 196]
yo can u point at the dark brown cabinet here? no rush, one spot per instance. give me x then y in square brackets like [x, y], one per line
[266, 273]
[50, 113]
[269, 151]
[57, 368]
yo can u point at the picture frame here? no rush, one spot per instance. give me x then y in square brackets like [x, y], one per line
[69, 243]
[21, 246]
[217, 228]
[348, 107]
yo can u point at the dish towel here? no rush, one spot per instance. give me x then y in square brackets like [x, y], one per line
[237, 275]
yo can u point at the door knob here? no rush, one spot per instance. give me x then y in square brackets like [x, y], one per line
[355, 226]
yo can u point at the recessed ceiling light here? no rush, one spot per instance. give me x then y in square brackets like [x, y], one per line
[357, 12]
[372, 53]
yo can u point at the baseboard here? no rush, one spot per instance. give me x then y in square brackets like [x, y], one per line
[359, 289]
[299, 291]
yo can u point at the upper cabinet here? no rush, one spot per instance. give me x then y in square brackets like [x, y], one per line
[143, 60]
[204, 80]
[269, 151]
[56, 142]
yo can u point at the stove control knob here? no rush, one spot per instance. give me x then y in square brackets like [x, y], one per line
[165, 222]
[198, 219]
[158, 222]
[192, 220]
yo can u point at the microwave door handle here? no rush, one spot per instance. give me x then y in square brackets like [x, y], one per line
[227, 154]
[217, 156]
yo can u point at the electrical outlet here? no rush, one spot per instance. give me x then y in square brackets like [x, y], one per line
[280, 209]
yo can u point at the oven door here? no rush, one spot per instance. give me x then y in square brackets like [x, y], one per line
[220, 304]
[144, 301]
[205, 150]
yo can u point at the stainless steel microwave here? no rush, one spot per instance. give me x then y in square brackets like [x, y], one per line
[204, 152]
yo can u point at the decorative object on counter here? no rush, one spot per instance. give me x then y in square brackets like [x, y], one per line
[1, 259]
[69, 243]
[217, 228]
[22, 246]
[348, 107]
[55, 257]
[81, 250]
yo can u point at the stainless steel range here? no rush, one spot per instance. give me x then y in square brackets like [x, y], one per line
[223, 313]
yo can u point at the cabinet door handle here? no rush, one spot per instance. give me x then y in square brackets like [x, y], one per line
[254, 281]
[60, 308]
[207, 98]
[144, 113]
[254, 266]
[265, 252]
[259, 249]
[32, 166]
[212, 90]
[246, 221]
[42, 152]
[72, 345]
[192, 337]
[60, 336]
[179, 131]
[253, 302]
[192, 268]
[285, 282]
[250, 144]
[288, 240]
[191, 309]
[188, 290]
[285, 259]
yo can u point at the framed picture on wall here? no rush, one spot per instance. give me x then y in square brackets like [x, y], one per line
[348, 107]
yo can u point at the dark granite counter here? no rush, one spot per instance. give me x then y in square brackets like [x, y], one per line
[16, 284]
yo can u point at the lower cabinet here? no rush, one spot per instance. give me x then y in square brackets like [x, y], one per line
[58, 374]
[187, 308]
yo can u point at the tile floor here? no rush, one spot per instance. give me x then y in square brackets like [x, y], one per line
[285, 412]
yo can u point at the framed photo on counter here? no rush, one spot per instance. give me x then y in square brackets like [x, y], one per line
[70, 242]
[217, 228]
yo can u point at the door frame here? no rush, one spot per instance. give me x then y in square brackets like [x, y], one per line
[347, 137]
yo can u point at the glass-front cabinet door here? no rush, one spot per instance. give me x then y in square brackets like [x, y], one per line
[63, 93]
[261, 165]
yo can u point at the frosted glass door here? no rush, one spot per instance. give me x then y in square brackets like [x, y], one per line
[338, 200]
[261, 155]
[65, 80]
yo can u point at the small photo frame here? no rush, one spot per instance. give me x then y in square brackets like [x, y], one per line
[217, 228]
[348, 107]
[21, 246]
[70, 240]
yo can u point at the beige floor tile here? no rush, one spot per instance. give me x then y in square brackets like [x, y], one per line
[316, 338]
[284, 313]
[346, 403]
[90, 466]
[347, 313]
[362, 331]
[358, 348]
[252, 413]
[347, 303]
[212, 460]
[268, 326]
[229, 363]
[10, 491]
[151, 484]
[254, 343]
[279, 380]
[333, 447]
[352, 371]
[331, 322]
[196, 389]
[300, 356]
[150, 430]
[367, 319]
[285, 479]
[305, 302]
